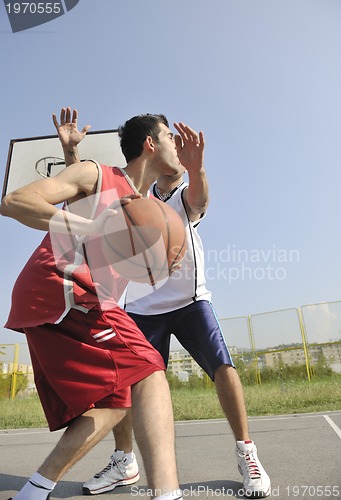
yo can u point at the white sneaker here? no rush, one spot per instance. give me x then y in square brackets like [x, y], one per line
[256, 482]
[120, 471]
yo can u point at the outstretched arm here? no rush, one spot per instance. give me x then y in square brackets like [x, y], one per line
[190, 148]
[34, 204]
[69, 135]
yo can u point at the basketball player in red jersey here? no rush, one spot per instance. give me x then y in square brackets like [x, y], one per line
[86, 357]
[181, 307]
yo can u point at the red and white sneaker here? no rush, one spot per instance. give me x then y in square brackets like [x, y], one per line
[256, 482]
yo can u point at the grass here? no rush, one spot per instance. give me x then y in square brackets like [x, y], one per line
[192, 404]
[267, 399]
[21, 413]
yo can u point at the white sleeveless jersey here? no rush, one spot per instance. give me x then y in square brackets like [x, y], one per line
[185, 285]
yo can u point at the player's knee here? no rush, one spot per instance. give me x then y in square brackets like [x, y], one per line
[157, 378]
[225, 370]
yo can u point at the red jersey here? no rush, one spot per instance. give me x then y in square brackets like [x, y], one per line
[55, 280]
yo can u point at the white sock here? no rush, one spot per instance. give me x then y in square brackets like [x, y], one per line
[36, 488]
[128, 455]
[172, 495]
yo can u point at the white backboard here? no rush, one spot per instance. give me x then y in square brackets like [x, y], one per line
[102, 146]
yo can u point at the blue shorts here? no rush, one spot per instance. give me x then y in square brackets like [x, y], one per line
[197, 329]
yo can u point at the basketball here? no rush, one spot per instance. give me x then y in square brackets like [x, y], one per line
[151, 243]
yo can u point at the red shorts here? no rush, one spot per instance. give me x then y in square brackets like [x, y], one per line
[88, 360]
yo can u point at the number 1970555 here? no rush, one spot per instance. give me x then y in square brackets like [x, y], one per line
[34, 8]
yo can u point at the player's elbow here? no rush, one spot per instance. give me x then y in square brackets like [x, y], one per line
[199, 208]
[8, 204]
[4, 207]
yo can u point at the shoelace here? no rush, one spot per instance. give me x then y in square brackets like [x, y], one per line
[113, 463]
[252, 465]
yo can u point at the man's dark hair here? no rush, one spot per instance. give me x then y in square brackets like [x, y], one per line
[135, 131]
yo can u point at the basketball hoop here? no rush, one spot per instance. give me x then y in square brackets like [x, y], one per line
[44, 166]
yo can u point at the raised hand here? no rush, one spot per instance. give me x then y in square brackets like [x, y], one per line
[190, 147]
[67, 129]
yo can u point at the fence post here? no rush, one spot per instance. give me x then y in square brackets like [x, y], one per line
[305, 343]
[15, 370]
[253, 347]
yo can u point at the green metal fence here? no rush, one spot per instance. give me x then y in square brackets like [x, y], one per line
[292, 336]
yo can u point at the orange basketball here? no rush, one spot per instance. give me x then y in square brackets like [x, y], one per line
[151, 243]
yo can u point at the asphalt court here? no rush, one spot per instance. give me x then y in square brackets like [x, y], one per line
[301, 453]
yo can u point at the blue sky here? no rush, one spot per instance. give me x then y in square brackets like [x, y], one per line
[261, 78]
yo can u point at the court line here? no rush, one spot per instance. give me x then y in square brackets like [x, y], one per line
[333, 425]
[255, 419]
[13, 432]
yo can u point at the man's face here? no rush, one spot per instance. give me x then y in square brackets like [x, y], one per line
[166, 156]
